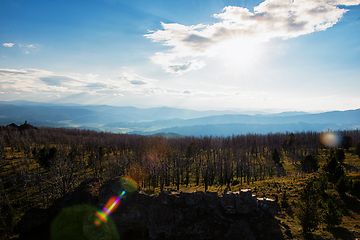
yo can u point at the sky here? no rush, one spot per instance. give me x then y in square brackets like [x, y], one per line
[272, 55]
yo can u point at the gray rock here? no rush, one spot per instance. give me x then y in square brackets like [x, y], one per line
[191, 198]
[228, 203]
[169, 215]
[240, 230]
[268, 205]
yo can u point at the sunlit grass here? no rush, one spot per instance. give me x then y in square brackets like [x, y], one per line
[291, 184]
[17, 162]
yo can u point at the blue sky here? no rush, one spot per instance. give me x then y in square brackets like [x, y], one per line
[261, 55]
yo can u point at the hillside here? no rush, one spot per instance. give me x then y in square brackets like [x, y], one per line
[45, 170]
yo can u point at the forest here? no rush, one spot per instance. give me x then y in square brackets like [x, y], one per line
[40, 164]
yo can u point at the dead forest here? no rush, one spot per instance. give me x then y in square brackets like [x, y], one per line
[40, 164]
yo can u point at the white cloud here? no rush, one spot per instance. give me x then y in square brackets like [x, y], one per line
[136, 79]
[25, 47]
[184, 67]
[190, 45]
[8, 44]
[37, 82]
[56, 80]
[28, 47]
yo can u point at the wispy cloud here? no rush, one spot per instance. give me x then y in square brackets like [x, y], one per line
[24, 47]
[8, 44]
[135, 79]
[32, 83]
[190, 45]
[55, 80]
[27, 47]
[41, 82]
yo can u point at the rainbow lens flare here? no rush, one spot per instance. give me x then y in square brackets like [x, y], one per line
[129, 185]
[110, 206]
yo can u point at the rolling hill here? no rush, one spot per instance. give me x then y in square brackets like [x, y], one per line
[164, 120]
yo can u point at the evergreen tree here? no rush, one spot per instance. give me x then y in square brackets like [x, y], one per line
[346, 142]
[46, 156]
[309, 212]
[275, 156]
[342, 185]
[358, 149]
[340, 155]
[333, 168]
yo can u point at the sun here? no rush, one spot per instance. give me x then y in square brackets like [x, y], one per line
[238, 52]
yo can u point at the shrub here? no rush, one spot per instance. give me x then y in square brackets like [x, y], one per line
[284, 200]
[342, 185]
[310, 164]
[333, 215]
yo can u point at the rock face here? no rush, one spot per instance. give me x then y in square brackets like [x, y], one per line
[169, 215]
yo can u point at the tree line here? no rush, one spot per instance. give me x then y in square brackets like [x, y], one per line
[39, 164]
[68, 156]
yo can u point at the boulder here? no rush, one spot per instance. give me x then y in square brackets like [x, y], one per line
[192, 198]
[169, 215]
[228, 203]
[240, 230]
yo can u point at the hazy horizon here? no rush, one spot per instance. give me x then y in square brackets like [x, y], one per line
[270, 56]
[247, 111]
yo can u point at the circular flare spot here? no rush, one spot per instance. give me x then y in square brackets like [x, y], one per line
[77, 222]
[129, 184]
[330, 139]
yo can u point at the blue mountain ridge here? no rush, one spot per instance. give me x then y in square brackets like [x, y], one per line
[163, 120]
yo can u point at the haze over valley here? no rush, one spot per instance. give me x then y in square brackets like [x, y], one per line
[173, 120]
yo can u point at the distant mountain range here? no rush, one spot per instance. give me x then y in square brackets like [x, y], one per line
[165, 120]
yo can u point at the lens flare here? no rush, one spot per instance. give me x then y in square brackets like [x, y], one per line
[110, 206]
[137, 173]
[77, 222]
[330, 139]
[129, 185]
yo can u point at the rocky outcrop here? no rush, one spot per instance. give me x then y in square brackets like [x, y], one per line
[20, 128]
[169, 215]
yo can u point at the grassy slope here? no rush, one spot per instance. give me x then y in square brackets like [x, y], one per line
[292, 183]
[16, 162]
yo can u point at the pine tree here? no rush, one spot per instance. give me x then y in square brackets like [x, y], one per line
[275, 156]
[309, 212]
[333, 215]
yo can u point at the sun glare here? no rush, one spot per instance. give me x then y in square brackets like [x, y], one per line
[238, 52]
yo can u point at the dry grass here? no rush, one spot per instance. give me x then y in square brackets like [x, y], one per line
[16, 162]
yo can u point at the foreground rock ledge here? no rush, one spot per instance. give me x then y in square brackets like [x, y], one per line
[169, 215]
